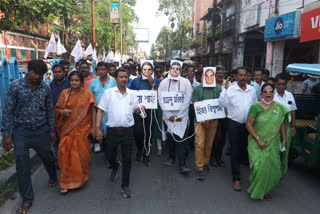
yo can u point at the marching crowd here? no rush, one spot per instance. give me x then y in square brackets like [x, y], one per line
[80, 111]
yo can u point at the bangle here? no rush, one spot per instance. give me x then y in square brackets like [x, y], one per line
[97, 127]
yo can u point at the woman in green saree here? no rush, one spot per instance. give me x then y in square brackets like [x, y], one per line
[266, 125]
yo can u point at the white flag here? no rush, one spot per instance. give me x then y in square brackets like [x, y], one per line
[51, 46]
[89, 50]
[60, 47]
[94, 55]
[77, 51]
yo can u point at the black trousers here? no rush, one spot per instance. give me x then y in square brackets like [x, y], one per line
[220, 140]
[238, 136]
[120, 138]
[191, 127]
[139, 134]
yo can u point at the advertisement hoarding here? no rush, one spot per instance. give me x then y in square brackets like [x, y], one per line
[142, 34]
[115, 12]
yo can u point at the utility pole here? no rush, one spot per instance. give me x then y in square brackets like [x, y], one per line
[166, 55]
[93, 25]
[235, 40]
[115, 38]
[213, 31]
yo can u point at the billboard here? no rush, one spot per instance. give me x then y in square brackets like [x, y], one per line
[310, 26]
[115, 12]
[283, 27]
[142, 34]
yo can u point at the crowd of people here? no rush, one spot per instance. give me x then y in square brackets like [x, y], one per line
[80, 112]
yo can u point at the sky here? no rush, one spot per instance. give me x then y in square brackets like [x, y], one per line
[146, 11]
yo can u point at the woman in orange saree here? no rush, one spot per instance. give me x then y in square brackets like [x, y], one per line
[75, 115]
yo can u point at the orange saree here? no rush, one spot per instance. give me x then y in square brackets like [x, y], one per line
[75, 147]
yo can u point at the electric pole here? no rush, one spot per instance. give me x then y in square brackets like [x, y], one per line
[121, 32]
[93, 25]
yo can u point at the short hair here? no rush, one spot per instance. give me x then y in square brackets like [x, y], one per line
[198, 73]
[133, 67]
[248, 69]
[259, 69]
[121, 69]
[267, 72]
[240, 68]
[38, 66]
[100, 64]
[281, 76]
[111, 65]
[190, 66]
[58, 66]
[267, 84]
[130, 60]
[64, 62]
[175, 63]
[272, 79]
[220, 67]
[83, 61]
[158, 66]
[234, 71]
[76, 73]
[147, 63]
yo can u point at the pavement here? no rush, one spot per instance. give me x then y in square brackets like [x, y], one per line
[161, 189]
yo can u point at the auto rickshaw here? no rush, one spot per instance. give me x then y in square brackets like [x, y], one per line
[306, 142]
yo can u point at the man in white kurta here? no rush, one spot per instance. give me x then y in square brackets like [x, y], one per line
[176, 121]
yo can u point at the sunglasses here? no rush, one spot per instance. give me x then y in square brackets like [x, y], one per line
[270, 92]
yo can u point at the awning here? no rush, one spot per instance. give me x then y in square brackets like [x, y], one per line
[313, 69]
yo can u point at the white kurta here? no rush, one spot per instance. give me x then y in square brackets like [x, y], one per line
[175, 127]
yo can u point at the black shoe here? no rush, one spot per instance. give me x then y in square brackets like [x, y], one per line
[126, 192]
[146, 161]
[185, 170]
[114, 174]
[200, 176]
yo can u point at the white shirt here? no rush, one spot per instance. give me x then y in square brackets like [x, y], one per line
[238, 102]
[175, 127]
[119, 107]
[287, 100]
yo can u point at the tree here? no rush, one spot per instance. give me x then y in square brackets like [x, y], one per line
[177, 10]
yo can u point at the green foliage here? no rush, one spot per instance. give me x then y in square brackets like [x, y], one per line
[177, 10]
[7, 159]
[5, 190]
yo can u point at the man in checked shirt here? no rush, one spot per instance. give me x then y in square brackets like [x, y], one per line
[29, 109]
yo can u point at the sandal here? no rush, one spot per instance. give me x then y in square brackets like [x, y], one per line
[24, 208]
[63, 191]
[52, 182]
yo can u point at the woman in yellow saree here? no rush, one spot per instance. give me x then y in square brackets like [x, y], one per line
[75, 115]
[266, 124]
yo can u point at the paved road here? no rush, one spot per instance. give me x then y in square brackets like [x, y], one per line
[160, 189]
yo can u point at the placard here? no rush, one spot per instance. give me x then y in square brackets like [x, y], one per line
[208, 110]
[171, 101]
[147, 98]
[115, 12]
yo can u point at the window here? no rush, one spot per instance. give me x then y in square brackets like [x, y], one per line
[13, 52]
[23, 54]
[198, 28]
[33, 54]
[2, 53]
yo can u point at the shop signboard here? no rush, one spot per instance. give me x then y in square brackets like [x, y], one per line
[286, 26]
[310, 26]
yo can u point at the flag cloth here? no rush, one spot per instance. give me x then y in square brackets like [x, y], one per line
[77, 51]
[94, 55]
[51, 46]
[89, 50]
[60, 48]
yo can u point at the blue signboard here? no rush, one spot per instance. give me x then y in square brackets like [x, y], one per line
[286, 26]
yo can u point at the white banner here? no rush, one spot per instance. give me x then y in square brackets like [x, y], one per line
[208, 110]
[171, 101]
[147, 98]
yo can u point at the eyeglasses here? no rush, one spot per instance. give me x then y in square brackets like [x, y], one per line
[270, 92]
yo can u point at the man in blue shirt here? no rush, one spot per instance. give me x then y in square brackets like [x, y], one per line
[29, 108]
[59, 83]
[144, 82]
[98, 86]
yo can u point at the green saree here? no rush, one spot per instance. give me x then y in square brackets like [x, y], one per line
[266, 166]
